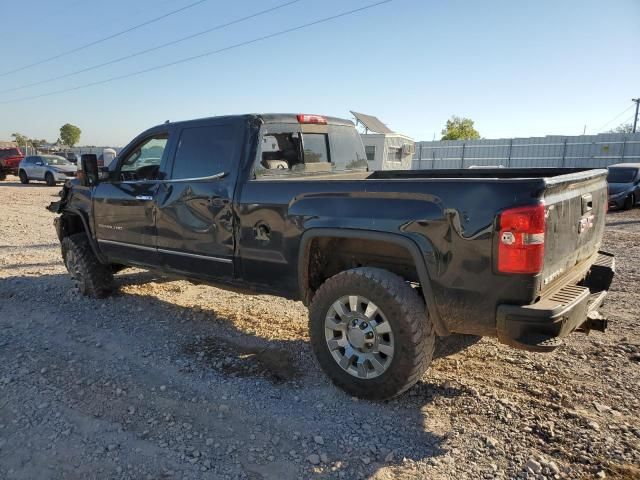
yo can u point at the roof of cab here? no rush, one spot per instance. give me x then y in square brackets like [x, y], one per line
[265, 117]
[625, 165]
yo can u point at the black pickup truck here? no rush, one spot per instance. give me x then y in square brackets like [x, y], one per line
[284, 204]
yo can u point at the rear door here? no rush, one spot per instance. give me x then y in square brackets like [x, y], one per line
[195, 219]
[124, 208]
[27, 165]
[36, 168]
[575, 209]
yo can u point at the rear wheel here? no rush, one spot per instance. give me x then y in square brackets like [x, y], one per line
[23, 177]
[91, 277]
[51, 181]
[371, 333]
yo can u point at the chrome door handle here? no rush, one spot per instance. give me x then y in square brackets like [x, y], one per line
[144, 197]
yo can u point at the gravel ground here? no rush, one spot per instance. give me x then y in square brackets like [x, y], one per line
[171, 380]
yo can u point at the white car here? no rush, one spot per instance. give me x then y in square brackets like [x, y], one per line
[50, 168]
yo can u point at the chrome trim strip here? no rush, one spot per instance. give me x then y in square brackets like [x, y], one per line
[217, 176]
[193, 255]
[130, 245]
[162, 250]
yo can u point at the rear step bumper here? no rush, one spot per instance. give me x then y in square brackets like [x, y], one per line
[539, 327]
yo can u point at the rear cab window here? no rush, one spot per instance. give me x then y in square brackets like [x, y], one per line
[290, 150]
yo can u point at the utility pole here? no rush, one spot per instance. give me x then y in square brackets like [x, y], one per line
[635, 118]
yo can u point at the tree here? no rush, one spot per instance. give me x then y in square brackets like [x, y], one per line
[70, 134]
[622, 128]
[459, 128]
[20, 139]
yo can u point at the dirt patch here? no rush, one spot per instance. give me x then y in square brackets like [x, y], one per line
[236, 359]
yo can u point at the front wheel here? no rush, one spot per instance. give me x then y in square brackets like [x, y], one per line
[92, 278]
[23, 177]
[371, 333]
[51, 181]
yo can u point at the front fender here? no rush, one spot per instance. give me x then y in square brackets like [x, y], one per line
[66, 224]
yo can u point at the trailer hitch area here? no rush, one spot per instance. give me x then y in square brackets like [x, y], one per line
[594, 321]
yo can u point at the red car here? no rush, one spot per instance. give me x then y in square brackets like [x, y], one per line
[10, 158]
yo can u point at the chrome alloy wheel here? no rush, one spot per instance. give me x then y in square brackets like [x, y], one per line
[359, 336]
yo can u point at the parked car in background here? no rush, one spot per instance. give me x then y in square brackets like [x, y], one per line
[50, 168]
[624, 185]
[71, 156]
[10, 158]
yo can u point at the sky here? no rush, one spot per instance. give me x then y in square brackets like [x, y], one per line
[517, 68]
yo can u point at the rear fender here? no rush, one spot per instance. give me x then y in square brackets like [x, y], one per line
[409, 245]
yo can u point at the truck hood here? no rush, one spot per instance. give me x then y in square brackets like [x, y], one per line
[615, 188]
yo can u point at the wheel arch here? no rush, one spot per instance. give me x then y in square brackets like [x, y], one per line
[73, 221]
[305, 260]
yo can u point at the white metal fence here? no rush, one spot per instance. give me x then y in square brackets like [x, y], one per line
[550, 151]
[28, 150]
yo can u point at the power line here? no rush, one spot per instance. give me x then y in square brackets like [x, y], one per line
[205, 54]
[616, 117]
[104, 39]
[157, 47]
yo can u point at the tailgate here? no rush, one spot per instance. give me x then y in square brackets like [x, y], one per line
[575, 209]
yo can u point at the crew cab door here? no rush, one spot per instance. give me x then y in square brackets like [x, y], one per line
[195, 219]
[124, 206]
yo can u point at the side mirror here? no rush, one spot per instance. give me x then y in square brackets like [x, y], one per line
[89, 174]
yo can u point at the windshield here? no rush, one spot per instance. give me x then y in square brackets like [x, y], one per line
[51, 160]
[9, 152]
[621, 175]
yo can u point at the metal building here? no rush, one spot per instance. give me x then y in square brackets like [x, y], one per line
[550, 151]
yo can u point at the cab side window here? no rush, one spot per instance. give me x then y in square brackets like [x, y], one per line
[143, 163]
[204, 152]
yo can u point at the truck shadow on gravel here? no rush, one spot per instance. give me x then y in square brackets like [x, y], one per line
[211, 344]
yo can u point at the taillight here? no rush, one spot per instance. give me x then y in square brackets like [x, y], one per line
[304, 118]
[521, 240]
